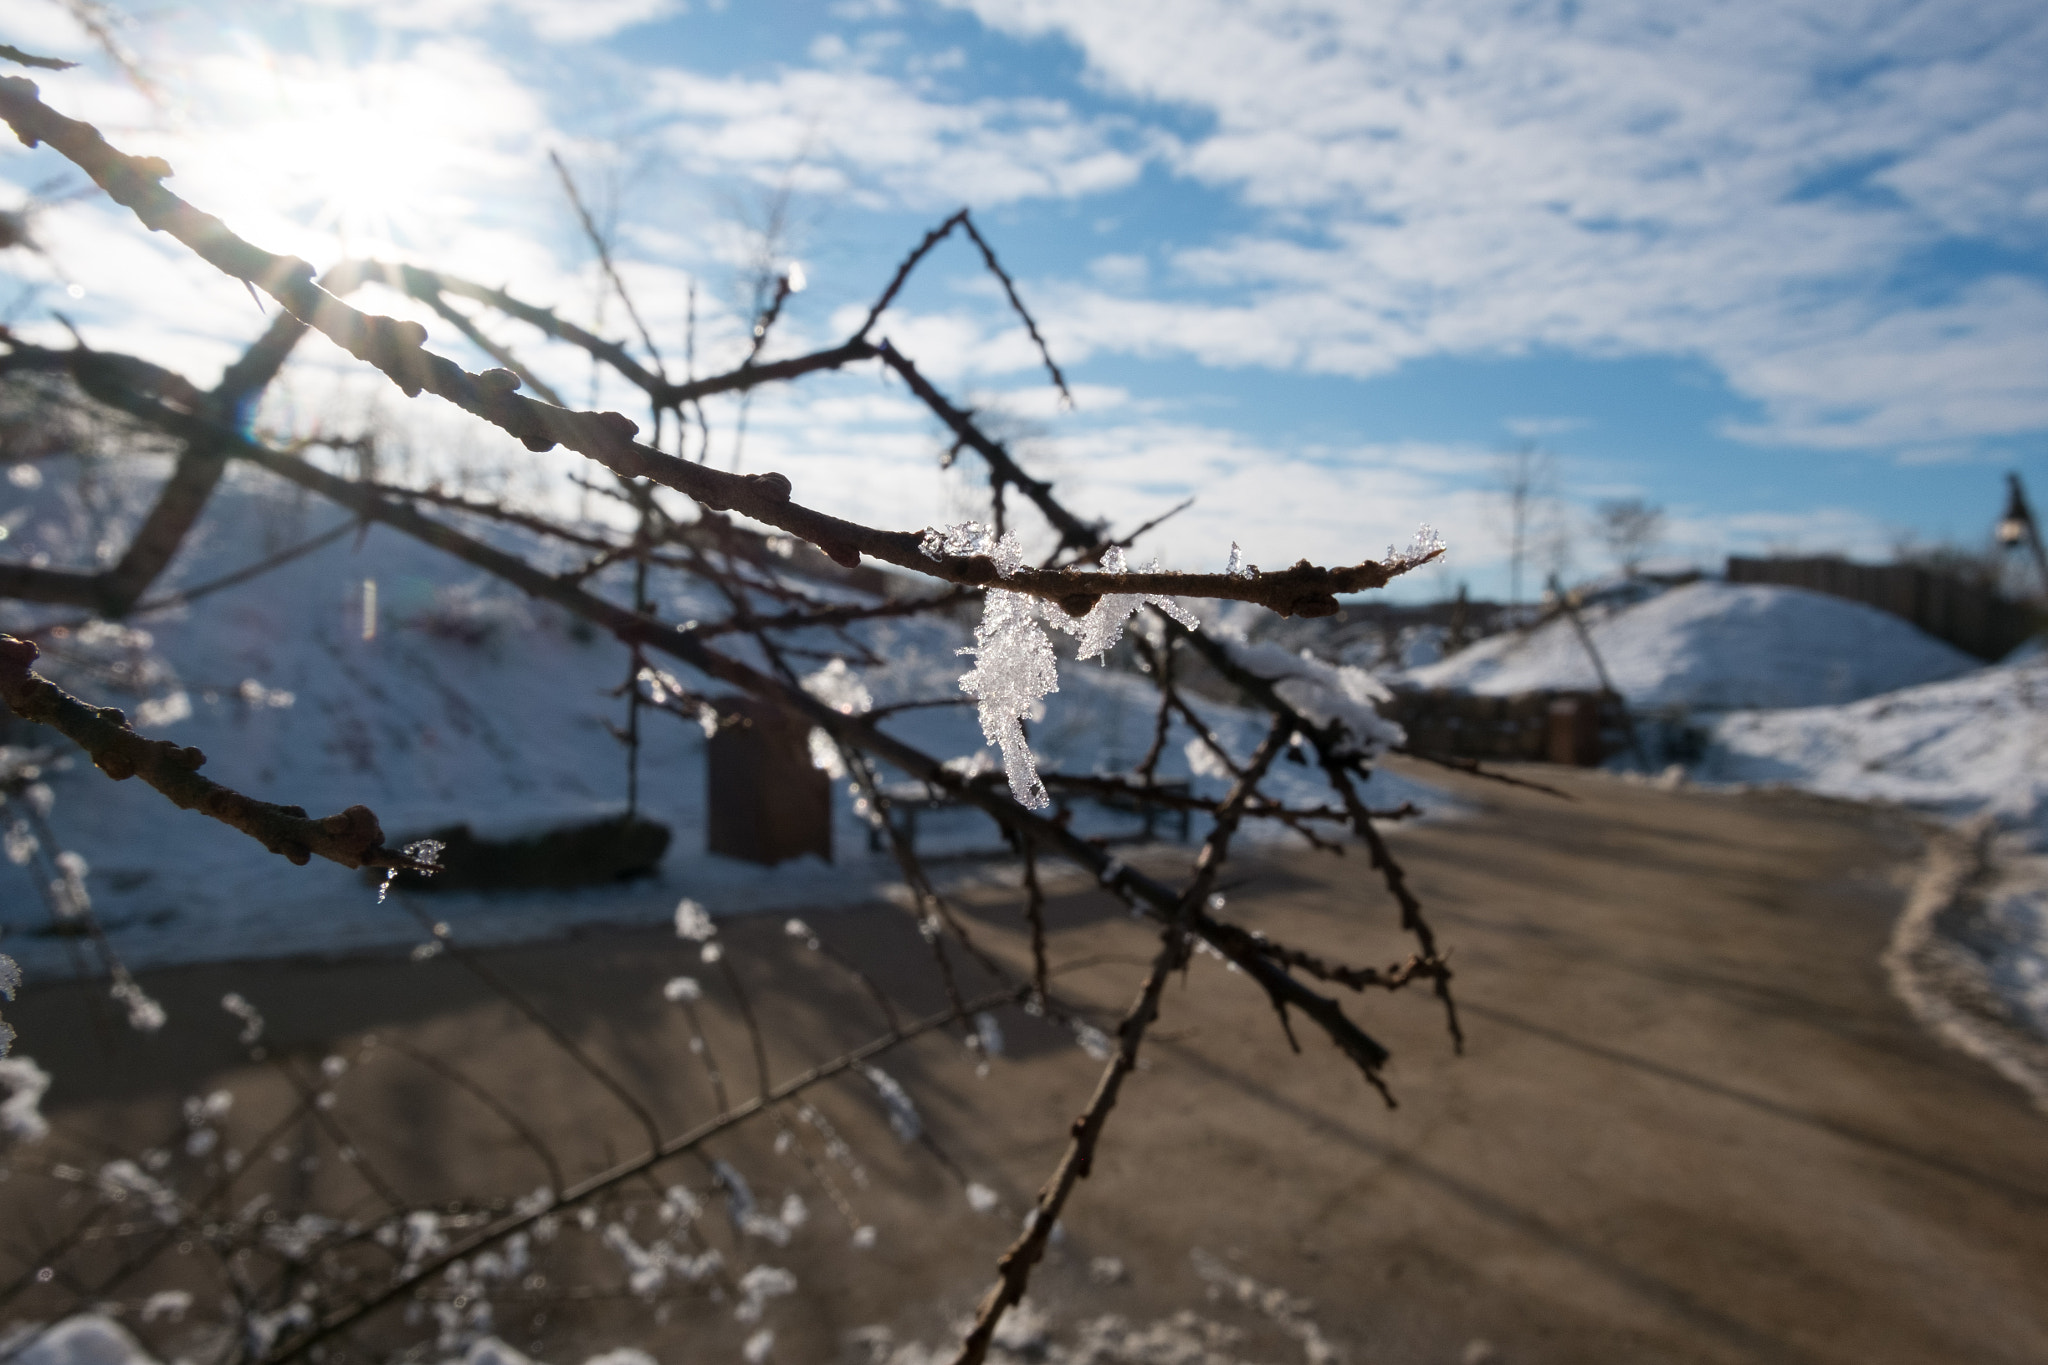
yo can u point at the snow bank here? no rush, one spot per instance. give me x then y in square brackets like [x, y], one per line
[463, 702]
[1713, 646]
[1971, 745]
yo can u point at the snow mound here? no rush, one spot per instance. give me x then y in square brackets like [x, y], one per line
[1713, 646]
[1968, 746]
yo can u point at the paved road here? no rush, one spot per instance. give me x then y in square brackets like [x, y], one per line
[1691, 1124]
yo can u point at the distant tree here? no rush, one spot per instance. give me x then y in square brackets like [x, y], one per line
[1630, 528]
[1526, 480]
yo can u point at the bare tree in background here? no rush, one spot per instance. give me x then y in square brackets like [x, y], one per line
[1525, 479]
[1630, 529]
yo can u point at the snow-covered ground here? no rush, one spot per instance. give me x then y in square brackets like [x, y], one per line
[1712, 646]
[467, 703]
[1974, 745]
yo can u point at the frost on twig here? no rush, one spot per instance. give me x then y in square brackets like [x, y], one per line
[1426, 545]
[1014, 669]
[1103, 626]
[1014, 666]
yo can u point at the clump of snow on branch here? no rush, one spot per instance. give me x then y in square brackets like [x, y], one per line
[26, 1084]
[201, 1113]
[1204, 761]
[10, 982]
[757, 1286]
[988, 1034]
[747, 1214]
[121, 1180]
[903, 1117]
[144, 1014]
[251, 1017]
[649, 1267]
[840, 688]
[1326, 693]
[693, 922]
[69, 900]
[166, 1303]
[1014, 666]
[1093, 1041]
[624, 1355]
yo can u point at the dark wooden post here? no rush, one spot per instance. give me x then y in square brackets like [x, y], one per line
[1574, 736]
[765, 801]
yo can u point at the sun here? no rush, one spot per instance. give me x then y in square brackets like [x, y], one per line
[376, 157]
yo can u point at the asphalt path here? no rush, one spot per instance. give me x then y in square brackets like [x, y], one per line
[1690, 1122]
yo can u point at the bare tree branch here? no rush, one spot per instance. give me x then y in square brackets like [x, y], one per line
[352, 838]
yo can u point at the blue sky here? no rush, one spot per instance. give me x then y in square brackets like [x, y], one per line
[1776, 266]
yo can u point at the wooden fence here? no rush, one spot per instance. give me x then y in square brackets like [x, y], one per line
[1580, 728]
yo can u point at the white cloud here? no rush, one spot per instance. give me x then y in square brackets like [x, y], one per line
[1531, 428]
[1480, 177]
[554, 20]
[883, 144]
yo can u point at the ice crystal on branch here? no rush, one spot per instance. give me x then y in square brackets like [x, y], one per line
[973, 538]
[1014, 668]
[1426, 546]
[1103, 626]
